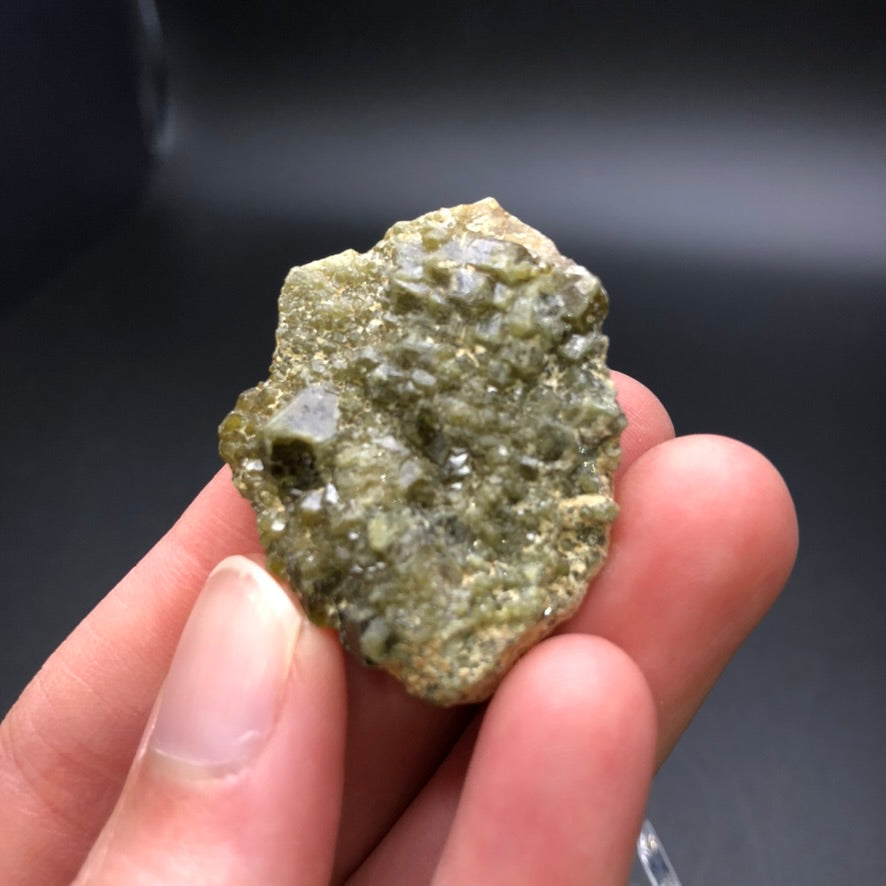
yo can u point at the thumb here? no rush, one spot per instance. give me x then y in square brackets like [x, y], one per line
[238, 778]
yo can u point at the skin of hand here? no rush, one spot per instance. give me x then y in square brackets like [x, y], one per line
[195, 727]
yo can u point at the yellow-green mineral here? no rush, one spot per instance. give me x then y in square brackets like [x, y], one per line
[431, 458]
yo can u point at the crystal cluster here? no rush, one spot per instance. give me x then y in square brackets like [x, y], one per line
[430, 460]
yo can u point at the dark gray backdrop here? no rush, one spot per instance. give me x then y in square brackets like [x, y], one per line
[721, 167]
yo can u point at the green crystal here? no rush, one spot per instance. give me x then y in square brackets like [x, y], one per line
[431, 458]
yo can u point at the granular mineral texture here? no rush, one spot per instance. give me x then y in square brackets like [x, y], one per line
[431, 458]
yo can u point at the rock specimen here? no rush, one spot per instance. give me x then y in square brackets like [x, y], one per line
[430, 460]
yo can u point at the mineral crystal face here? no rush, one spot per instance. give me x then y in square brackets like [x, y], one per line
[431, 458]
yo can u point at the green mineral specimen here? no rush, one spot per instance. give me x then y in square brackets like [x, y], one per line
[431, 458]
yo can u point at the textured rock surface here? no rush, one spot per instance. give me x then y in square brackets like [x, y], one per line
[430, 459]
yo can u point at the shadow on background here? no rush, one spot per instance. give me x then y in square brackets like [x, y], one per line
[721, 169]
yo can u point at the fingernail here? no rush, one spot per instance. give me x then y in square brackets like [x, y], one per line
[221, 698]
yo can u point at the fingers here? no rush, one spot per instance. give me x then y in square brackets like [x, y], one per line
[557, 785]
[66, 746]
[648, 421]
[239, 778]
[67, 743]
[704, 543]
[396, 742]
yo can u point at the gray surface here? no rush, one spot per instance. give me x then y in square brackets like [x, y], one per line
[746, 266]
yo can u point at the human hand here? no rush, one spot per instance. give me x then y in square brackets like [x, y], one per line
[266, 770]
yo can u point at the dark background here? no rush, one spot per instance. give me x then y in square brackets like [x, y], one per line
[721, 166]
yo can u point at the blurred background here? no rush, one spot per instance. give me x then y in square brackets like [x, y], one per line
[722, 167]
